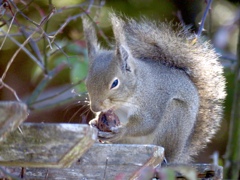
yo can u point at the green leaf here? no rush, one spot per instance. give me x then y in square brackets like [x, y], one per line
[79, 72]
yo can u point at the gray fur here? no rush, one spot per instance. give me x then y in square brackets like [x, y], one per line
[171, 87]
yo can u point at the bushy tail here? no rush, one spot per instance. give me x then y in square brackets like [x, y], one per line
[158, 41]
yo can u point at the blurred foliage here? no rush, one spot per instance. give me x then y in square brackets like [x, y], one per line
[232, 156]
[68, 48]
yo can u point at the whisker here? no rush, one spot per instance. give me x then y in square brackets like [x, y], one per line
[84, 112]
[73, 105]
[69, 107]
[74, 114]
[88, 113]
[83, 119]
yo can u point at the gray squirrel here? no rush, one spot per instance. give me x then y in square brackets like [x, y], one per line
[165, 87]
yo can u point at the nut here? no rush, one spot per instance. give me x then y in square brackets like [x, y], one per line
[107, 120]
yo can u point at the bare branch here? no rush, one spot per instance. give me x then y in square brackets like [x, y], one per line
[2, 84]
[7, 32]
[24, 49]
[209, 2]
[15, 54]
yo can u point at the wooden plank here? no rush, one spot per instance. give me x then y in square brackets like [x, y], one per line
[12, 114]
[101, 161]
[73, 173]
[46, 145]
[114, 161]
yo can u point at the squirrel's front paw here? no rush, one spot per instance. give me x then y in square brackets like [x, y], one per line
[116, 134]
[93, 123]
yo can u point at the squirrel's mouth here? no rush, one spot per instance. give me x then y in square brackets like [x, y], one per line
[111, 110]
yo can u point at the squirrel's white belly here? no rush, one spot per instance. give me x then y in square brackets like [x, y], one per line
[124, 112]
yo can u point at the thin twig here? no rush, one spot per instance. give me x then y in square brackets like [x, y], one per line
[12, 35]
[25, 16]
[24, 49]
[45, 19]
[15, 54]
[209, 2]
[62, 51]
[68, 20]
[7, 32]
[98, 29]
[33, 44]
[45, 57]
[59, 93]
[41, 86]
[57, 104]
[2, 84]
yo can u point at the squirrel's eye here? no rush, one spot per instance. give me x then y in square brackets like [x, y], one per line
[114, 84]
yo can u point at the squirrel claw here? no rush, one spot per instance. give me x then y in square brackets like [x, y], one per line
[93, 123]
[116, 130]
[105, 135]
[116, 134]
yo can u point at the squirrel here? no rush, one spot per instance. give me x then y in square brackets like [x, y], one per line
[166, 87]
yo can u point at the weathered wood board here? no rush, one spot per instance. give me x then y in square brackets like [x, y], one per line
[12, 114]
[101, 161]
[46, 145]
[204, 171]
[66, 151]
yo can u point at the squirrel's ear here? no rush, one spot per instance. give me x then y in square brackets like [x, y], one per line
[122, 51]
[124, 57]
[91, 38]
